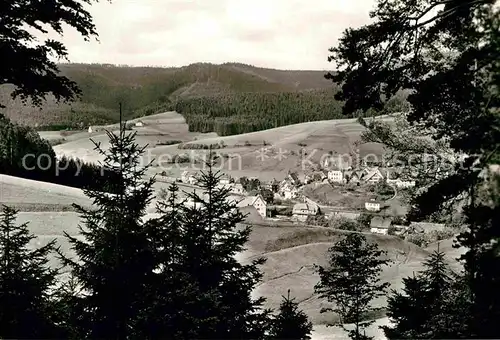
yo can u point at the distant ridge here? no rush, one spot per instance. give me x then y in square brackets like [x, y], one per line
[146, 90]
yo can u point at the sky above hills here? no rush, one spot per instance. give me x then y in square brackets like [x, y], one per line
[284, 34]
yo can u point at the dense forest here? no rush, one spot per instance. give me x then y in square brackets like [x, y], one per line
[248, 112]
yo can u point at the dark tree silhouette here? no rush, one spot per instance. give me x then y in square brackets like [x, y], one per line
[290, 323]
[114, 259]
[26, 281]
[25, 61]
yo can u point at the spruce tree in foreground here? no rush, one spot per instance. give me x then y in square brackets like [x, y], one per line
[210, 290]
[291, 323]
[175, 300]
[351, 281]
[430, 305]
[25, 283]
[114, 260]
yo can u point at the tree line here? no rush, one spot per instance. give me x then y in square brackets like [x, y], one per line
[237, 113]
[24, 154]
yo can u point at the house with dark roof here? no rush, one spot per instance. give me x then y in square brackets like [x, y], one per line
[373, 176]
[293, 178]
[380, 225]
[301, 211]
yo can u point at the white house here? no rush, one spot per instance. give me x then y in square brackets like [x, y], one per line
[336, 176]
[405, 184]
[185, 176]
[372, 205]
[288, 191]
[139, 124]
[224, 179]
[380, 225]
[399, 183]
[189, 177]
[237, 188]
[301, 211]
[257, 202]
[373, 176]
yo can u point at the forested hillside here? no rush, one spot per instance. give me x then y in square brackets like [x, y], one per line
[247, 112]
[228, 99]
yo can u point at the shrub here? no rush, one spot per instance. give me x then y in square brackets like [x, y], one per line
[344, 223]
[391, 230]
[169, 142]
[316, 220]
[418, 239]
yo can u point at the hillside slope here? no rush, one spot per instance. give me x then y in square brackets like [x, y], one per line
[147, 90]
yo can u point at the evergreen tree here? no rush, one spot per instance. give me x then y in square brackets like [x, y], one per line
[26, 282]
[210, 291]
[351, 281]
[407, 310]
[175, 309]
[424, 309]
[290, 323]
[114, 259]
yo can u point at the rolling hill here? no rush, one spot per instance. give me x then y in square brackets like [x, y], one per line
[229, 90]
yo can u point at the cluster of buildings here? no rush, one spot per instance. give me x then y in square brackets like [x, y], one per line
[239, 195]
[369, 175]
[383, 225]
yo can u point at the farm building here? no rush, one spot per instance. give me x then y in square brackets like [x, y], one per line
[380, 225]
[372, 205]
[301, 211]
[256, 202]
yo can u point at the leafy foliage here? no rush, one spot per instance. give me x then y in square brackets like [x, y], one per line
[351, 281]
[26, 62]
[448, 48]
[345, 223]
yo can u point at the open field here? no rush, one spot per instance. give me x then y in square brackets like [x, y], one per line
[268, 154]
[291, 253]
[14, 190]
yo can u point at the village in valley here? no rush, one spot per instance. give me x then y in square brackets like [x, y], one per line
[375, 198]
